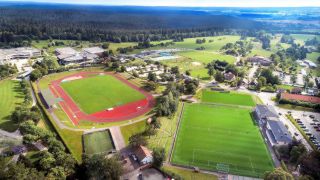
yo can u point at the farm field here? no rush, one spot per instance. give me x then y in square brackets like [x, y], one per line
[227, 98]
[10, 97]
[97, 142]
[223, 138]
[97, 93]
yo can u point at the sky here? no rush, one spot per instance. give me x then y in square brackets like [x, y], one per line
[192, 3]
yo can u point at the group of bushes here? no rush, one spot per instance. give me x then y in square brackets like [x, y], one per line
[300, 103]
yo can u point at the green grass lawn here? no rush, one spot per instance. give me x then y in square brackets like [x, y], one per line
[221, 138]
[10, 97]
[206, 56]
[100, 92]
[129, 130]
[97, 142]
[189, 174]
[227, 98]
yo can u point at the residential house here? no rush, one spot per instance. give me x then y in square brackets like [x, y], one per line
[229, 76]
[144, 155]
[260, 60]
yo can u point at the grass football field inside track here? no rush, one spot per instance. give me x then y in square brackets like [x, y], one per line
[227, 98]
[221, 138]
[97, 142]
[100, 92]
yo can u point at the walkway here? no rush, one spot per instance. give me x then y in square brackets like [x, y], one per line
[117, 138]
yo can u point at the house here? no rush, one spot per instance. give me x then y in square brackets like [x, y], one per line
[277, 133]
[296, 90]
[229, 76]
[264, 112]
[310, 64]
[94, 50]
[260, 60]
[298, 97]
[144, 155]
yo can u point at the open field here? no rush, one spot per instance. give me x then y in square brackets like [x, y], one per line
[206, 56]
[97, 142]
[97, 93]
[10, 97]
[223, 138]
[227, 98]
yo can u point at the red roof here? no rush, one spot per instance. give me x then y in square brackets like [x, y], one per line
[298, 97]
[142, 152]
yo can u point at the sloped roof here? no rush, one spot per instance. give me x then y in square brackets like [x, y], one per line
[266, 111]
[279, 131]
[142, 152]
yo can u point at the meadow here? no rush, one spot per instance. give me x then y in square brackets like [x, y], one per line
[100, 92]
[97, 142]
[10, 97]
[232, 98]
[221, 138]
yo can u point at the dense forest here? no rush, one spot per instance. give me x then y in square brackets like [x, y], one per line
[115, 24]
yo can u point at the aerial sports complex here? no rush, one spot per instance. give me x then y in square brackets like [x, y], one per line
[98, 97]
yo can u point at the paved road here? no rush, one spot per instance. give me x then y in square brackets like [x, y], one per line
[14, 135]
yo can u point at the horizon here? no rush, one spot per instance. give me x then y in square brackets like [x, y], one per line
[189, 4]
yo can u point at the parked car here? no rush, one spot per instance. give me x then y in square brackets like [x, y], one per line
[311, 116]
[296, 134]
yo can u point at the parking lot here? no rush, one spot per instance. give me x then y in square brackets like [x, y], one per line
[310, 123]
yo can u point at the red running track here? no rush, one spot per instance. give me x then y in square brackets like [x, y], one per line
[119, 113]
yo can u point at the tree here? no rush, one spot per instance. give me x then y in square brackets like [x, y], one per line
[158, 155]
[100, 167]
[278, 174]
[105, 45]
[115, 65]
[188, 73]
[211, 71]
[310, 165]
[35, 75]
[152, 77]
[263, 81]
[137, 140]
[219, 76]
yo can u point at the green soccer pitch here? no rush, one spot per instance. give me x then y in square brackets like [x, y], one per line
[221, 138]
[100, 92]
[97, 142]
[227, 98]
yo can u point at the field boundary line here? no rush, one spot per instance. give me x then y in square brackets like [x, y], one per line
[229, 105]
[176, 132]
